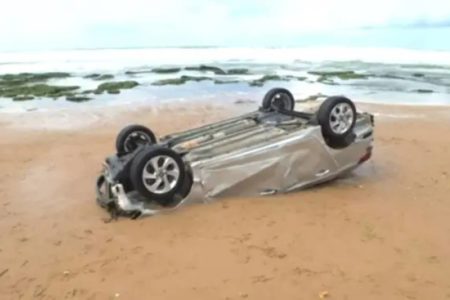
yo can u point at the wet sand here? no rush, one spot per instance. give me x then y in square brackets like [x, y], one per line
[382, 232]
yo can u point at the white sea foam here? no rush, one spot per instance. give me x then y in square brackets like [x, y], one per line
[118, 59]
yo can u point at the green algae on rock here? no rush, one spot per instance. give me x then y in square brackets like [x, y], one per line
[424, 91]
[325, 80]
[113, 92]
[343, 75]
[261, 81]
[181, 80]
[218, 81]
[92, 76]
[96, 76]
[161, 70]
[25, 86]
[238, 71]
[166, 70]
[23, 98]
[299, 78]
[77, 98]
[170, 81]
[27, 78]
[205, 68]
[37, 90]
[86, 92]
[418, 75]
[137, 72]
[115, 86]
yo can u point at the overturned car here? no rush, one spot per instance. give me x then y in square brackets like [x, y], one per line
[274, 149]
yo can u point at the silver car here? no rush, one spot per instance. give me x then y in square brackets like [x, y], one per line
[274, 149]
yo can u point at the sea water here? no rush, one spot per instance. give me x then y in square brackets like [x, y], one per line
[395, 75]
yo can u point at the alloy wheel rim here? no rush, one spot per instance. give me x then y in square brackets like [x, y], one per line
[341, 118]
[161, 174]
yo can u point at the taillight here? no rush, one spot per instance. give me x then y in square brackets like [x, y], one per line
[366, 156]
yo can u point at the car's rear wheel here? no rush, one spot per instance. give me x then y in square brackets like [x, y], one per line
[158, 174]
[133, 136]
[278, 98]
[337, 117]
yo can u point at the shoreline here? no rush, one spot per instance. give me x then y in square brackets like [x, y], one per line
[77, 118]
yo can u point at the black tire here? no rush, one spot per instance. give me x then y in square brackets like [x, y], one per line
[132, 136]
[337, 117]
[278, 98]
[143, 161]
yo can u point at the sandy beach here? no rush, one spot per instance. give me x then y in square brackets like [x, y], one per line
[381, 233]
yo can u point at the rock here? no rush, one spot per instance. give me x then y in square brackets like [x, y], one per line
[171, 81]
[105, 77]
[205, 68]
[22, 92]
[77, 98]
[166, 70]
[418, 75]
[113, 92]
[92, 76]
[262, 80]
[179, 81]
[218, 81]
[26, 78]
[343, 75]
[97, 76]
[113, 87]
[423, 91]
[238, 71]
[23, 98]
[138, 72]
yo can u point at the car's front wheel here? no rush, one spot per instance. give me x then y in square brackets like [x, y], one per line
[158, 174]
[337, 117]
[133, 136]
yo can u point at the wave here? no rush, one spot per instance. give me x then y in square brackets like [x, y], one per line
[118, 59]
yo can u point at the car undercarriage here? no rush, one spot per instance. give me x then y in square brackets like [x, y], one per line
[274, 149]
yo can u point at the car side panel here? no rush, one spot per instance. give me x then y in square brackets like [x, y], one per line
[269, 169]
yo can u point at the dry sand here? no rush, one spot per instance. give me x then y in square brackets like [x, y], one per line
[381, 233]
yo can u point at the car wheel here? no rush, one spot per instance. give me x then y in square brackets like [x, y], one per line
[158, 174]
[278, 98]
[133, 136]
[337, 117]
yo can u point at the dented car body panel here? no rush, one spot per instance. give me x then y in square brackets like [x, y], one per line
[283, 163]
